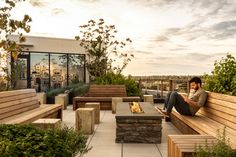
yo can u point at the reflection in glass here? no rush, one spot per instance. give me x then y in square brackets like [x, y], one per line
[76, 68]
[58, 69]
[19, 73]
[39, 72]
[61, 68]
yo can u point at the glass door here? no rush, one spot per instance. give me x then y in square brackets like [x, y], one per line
[20, 68]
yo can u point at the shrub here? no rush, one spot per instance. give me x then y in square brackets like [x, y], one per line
[30, 141]
[220, 149]
[132, 88]
[76, 89]
[73, 90]
[223, 78]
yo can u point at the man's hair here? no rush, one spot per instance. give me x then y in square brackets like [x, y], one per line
[196, 80]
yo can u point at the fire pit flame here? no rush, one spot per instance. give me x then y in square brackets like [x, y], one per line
[136, 107]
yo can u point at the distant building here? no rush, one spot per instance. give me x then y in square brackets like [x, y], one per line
[50, 63]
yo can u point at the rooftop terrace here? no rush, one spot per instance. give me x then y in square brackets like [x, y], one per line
[103, 142]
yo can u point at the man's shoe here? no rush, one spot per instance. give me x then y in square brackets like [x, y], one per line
[166, 114]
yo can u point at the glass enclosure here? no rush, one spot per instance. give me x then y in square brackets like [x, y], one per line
[39, 71]
[58, 70]
[51, 70]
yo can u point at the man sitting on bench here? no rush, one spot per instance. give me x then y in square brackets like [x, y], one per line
[186, 105]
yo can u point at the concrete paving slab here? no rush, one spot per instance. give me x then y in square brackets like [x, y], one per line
[103, 143]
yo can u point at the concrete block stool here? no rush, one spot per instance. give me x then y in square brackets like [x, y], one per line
[47, 123]
[115, 100]
[62, 99]
[96, 106]
[148, 98]
[42, 97]
[84, 120]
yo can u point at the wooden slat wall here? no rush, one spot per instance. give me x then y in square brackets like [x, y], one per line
[221, 108]
[184, 145]
[107, 91]
[223, 97]
[219, 111]
[17, 101]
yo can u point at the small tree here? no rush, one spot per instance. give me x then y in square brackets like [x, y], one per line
[8, 26]
[98, 40]
[223, 78]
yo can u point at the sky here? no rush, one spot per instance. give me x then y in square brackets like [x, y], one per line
[170, 37]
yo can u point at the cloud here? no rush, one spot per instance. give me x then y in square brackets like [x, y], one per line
[87, 1]
[224, 30]
[161, 38]
[38, 3]
[56, 11]
[140, 52]
[158, 3]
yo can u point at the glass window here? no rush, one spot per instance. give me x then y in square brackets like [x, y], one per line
[58, 69]
[76, 68]
[39, 71]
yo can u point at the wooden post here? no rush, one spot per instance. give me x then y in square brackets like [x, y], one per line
[188, 87]
[148, 98]
[115, 101]
[47, 123]
[84, 120]
[170, 85]
[96, 106]
[161, 88]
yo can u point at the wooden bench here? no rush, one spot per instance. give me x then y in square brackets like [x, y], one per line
[185, 145]
[219, 112]
[22, 107]
[103, 94]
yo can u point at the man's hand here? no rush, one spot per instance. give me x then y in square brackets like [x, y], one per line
[184, 96]
[191, 103]
[186, 99]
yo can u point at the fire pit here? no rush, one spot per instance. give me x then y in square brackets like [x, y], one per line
[138, 122]
[135, 107]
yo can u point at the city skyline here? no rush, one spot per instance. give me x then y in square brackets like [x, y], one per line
[170, 37]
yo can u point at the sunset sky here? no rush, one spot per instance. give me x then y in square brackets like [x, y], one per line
[170, 37]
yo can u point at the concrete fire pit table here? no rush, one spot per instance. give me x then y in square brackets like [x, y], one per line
[138, 127]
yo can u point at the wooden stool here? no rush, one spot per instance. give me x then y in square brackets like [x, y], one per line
[96, 106]
[42, 97]
[185, 145]
[84, 120]
[47, 123]
[61, 99]
[115, 100]
[148, 98]
[66, 96]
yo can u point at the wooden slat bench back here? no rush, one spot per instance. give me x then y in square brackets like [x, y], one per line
[22, 106]
[107, 91]
[18, 101]
[218, 113]
[103, 94]
[221, 108]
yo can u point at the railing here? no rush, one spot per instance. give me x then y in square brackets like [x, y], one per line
[160, 86]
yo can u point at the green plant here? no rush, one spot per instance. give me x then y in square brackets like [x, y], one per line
[8, 25]
[75, 89]
[98, 39]
[132, 88]
[220, 149]
[30, 141]
[223, 78]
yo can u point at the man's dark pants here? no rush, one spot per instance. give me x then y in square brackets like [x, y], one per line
[174, 99]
